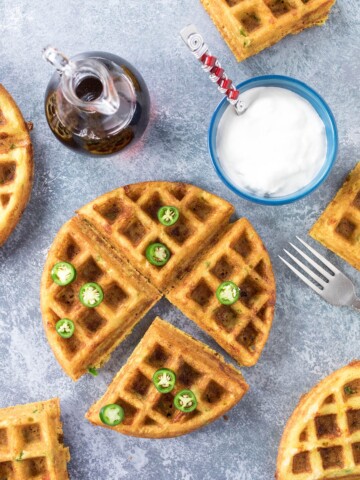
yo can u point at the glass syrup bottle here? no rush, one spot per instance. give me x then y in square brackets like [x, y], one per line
[96, 103]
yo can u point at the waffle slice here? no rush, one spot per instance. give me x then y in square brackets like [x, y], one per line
[31, 442]
[249, 26]
[148, 413]
[338, 228]
[127, 298]
[321, 440]
[16, 164]
[127, 217]
[241, 329]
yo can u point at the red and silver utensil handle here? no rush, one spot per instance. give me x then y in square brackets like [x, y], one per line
[211, 65]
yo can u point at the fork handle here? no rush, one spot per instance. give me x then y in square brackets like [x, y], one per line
[356, 303]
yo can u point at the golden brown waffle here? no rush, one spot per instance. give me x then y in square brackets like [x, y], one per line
[16, 164]
[322, 438]
[249, 26]
[241, 329]
[127, 217]
[127, 298]
[338, 228]
[31, 445]
[120, 225]
[148, 413]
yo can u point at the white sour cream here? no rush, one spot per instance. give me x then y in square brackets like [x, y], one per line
[276, 147]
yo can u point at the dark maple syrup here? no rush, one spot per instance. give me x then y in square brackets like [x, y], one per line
[89, 89]
[81, 111]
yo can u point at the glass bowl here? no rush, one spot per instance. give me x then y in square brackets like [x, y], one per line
[322, 109]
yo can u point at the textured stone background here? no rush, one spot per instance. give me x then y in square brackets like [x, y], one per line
[309, 338]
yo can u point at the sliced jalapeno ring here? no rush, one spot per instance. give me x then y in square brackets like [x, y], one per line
[157, 254]
[65, 328]
[112, 414]
[91, 295]
[168, 215]
[164, 380]
[228, 293]
[63, 273]
[185, 401]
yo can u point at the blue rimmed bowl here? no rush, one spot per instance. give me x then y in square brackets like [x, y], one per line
[322, 109]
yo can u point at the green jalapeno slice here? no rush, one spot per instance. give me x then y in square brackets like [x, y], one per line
[228, 293]
[65, 328]
[185, 401]
[112, 414]
[91, 295]
[63, 273]
[157, 254]
[164, 380]
[168, 215]
[93, 371]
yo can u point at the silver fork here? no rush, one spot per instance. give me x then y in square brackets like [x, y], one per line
[333, 286]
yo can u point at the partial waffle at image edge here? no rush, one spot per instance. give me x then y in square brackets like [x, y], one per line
[251, 26]
[16, 164]
[338, 227]
[31, 442]
[322, 437]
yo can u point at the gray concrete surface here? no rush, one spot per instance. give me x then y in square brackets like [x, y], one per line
[309, 338]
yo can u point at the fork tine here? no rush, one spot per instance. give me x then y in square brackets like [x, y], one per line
[320, 257]
[314, 264]
[312, 274]
[303, 278]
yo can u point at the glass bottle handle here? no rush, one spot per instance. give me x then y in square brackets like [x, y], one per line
[57, 60]
[107, 104]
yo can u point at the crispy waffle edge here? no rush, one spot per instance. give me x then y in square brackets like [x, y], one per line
[50, 409]
[322, 225]
[171, 331]
[301, 410]
[316, 18]
[27, 187]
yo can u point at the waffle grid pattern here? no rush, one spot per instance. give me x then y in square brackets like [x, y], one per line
[332, 440]
[132, 211]
[338, 228]
[127, 297]
[31, 442]
[243, 328]
[16, 168]
[149, 413]
[249, 26]
[328, 444]
[128, 218]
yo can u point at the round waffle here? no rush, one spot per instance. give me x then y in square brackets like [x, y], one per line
[107, 243]
[16, 164]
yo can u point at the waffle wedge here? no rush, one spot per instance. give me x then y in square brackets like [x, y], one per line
[338, 228]
[321, 440]
[31, 442]
[16, 164]
[127, 218]
[249, 26]
[151, 414]
[241, 329]
[127, 298]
